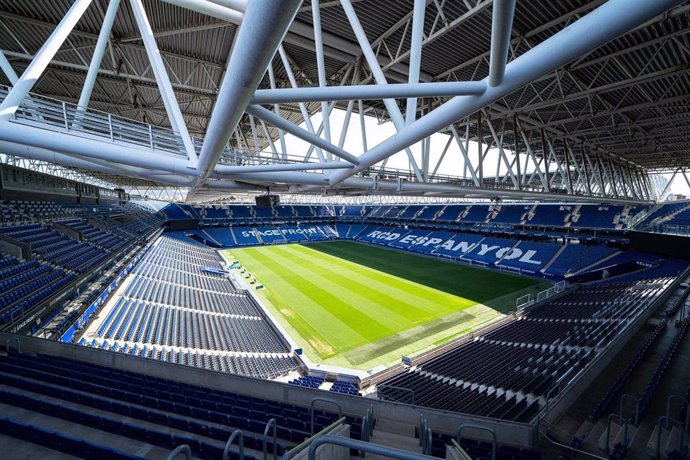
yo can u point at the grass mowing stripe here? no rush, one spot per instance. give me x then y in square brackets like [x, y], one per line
[334, 294]
[453, 278]
[415, 296]
[400, 303]
[333, 302]
[284, 296]
[351, 303]
[360, 295]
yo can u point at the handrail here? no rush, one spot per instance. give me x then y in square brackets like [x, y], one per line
[383, 386]
[304, 444]
[311, 411]
[460, 450]
[269, 424]
[228, 444]
[365, 447]
[427, 444]
[463, 427]
[667, 419]
[668, 406]
[579, 451]
[608, 430]
[365, 428]
[183, 449]
[621, 405]
[9, 341]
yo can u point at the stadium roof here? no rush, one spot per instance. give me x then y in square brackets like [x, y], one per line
[612, 110]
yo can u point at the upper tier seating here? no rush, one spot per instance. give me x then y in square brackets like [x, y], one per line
[550, 215]
[595, 216]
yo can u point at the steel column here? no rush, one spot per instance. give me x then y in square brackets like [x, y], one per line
[415, 56]
[591, 31]
[164, 86]
[41, 60]
[501, 27]
[7, 69]
[262, 29]
[97, 57]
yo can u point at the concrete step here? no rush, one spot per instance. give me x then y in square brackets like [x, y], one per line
[612, 433]
[390, 425]
[584, 429]
[394, 440]
[592, 439]
[652, 443]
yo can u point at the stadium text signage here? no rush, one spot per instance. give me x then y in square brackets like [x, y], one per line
[455, 244]
[277, 232]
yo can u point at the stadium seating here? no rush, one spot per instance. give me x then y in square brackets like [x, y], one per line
[493, 374]
[550, 215]
[171, 310]
[145, 411]
[511, 214]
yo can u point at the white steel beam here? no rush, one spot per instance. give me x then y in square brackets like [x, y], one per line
[226, 169]
[501, 27]
[593, 30]
[415, 56]
[321, 67]
[98, 52]
[392, 108]
[379, 91]
[164, 86]
[7, 69]
[280, 122]
[40, 62]
[262, 29]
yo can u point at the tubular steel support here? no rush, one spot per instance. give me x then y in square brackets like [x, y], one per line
[501, 26]
[41, 60]
[356, 92]
[591, 31]
[365, 447]
[259, 35]
[461, 428]
[240, 444]
[98, 52]
[311, 410]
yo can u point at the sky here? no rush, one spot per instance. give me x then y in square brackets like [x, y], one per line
[452, 163]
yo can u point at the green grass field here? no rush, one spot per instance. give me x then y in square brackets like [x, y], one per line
[360, 306]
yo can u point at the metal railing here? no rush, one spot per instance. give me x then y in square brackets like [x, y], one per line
[183, 449]
[311, 410]
[240, 444]
[270, 424]
[468, 426]
[307, 442]
[362, 446]
[49, 113]
[381, 393]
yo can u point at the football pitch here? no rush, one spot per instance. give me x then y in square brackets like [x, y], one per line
[360, 306]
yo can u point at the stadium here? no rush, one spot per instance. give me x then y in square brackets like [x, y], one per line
[409, 229]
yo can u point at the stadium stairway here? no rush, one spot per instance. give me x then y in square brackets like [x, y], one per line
[391, 433]
[641, 376]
